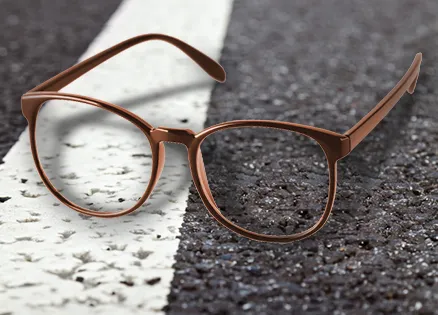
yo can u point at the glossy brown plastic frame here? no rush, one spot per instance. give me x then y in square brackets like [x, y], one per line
[334, 145]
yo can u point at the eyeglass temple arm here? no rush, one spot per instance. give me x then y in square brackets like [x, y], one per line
[359, 131]
[64, 78]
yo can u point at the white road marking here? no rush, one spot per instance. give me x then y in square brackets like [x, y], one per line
[54, 261]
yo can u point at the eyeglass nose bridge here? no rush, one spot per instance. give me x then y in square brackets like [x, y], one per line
[176, 135]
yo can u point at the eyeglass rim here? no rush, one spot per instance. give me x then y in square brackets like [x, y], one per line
[31, 105]
[334, 146]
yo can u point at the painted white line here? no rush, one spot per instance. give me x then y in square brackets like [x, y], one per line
[54, 261]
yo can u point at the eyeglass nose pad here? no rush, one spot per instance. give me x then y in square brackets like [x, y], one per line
[204, 179]
[161, 157]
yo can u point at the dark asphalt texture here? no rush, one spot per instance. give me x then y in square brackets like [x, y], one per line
[312, 62]
[39, 39]
[327, 63]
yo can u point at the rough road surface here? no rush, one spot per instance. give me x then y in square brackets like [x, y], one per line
[323, 63]
[326, 64]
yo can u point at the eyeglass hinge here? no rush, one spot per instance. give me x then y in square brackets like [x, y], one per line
[345, 146]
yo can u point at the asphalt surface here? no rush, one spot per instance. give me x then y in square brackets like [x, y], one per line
[38, 40]
[318, 63]
[325, 64]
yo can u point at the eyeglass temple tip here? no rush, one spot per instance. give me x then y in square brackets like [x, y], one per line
[220, 75]
[215, 70]
[418, 59]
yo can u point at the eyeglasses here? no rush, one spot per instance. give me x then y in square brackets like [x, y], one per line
[254, 183]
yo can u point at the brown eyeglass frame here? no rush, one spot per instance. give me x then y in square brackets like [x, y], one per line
[335, 145]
